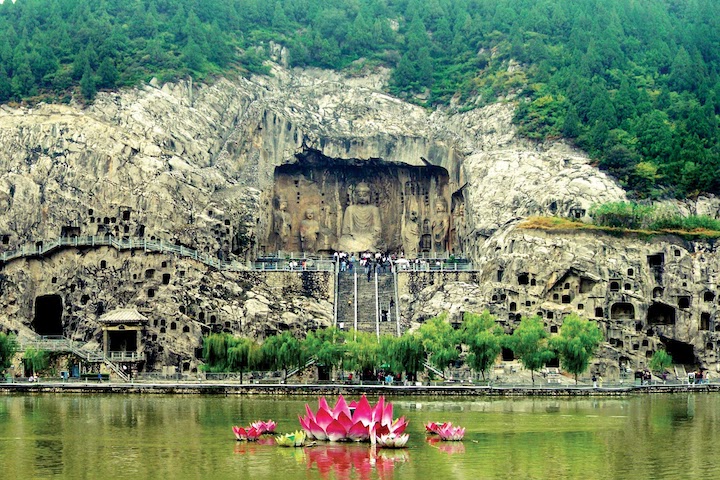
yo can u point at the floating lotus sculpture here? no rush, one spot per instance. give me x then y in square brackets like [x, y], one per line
[250, 434]
[253, 432]
[358, 421]
[446, 431]
[295, 439]
[392, 440]
[264, 427]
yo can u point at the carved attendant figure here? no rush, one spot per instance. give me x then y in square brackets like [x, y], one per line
[281, 223]
[411, 233]
[309, 229]
[440, 226]
[361, 223]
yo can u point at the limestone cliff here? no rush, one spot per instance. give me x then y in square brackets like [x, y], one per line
[196, 165]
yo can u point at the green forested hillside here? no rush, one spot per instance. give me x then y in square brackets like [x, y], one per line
[634, 82]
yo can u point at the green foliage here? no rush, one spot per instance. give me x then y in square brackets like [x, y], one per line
[660, 361]
[631, 215]
[529, 342]
[622, 215]
[363, 351]
[327, 346]
[227, 353]
[440, 341]
[576, 344]
[484, 339]
[8, 347]
[36, 360]
[404, 354]
[284, 352]
[648, 69]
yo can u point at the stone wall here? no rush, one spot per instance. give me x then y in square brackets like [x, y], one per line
[183, 299]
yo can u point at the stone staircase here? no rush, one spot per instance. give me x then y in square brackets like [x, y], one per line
[372, 316]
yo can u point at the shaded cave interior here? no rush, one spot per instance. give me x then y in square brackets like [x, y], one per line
[418, 210]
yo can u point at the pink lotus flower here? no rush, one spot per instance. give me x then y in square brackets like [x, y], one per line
[359, 423]
[248, 433]
[264, 427]
[445, 431]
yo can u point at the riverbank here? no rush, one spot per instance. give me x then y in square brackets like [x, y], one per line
[207, 388]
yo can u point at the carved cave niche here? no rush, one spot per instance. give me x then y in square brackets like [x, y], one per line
[622, 311]
[657, 292]
[311, 198]
[684, 302]
[661, 314]
[704, 321]
[586, 285]
[708, 296]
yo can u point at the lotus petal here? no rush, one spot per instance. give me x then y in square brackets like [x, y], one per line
[358, 432]
[341, 407]
[399, 426]
[304, 423]
[316, 431]
[363, 412]
[345, 421]
[387, 414]
[323, 418]
[323, 405]
[336, 431]
[379, 409]
[310, 413]
[240, 433]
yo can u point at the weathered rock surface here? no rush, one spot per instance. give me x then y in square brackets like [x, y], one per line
[194, 165]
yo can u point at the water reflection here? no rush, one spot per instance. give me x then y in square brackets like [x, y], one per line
[345, 461]
[243, 447]
[451, 448]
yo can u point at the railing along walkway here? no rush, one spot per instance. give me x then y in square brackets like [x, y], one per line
[62, 344]
[43, 248]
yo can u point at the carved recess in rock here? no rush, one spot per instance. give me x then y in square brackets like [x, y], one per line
[322, 205]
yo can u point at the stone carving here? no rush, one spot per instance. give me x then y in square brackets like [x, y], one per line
[309, 229]
[361, 223]
[282, 226]
[411, 232]
[440, 225]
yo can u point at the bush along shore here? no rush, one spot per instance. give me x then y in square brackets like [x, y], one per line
[220, 388]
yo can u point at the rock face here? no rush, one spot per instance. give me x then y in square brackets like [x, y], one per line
[207, 167]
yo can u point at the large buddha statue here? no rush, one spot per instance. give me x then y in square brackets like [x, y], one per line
[361, 223]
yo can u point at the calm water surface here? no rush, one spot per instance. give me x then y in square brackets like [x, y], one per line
[169, 437]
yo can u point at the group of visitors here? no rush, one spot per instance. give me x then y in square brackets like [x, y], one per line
[698, 377]
[368, 262]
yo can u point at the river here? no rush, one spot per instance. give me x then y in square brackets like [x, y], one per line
[177, 437]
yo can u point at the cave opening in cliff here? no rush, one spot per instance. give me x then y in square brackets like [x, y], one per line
[322, 204]
[48, 315]
[681, 352]
[661, 314]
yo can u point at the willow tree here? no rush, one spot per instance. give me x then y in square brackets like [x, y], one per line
[529, 342]
[283, 352]
[577, 343]
[440, 341]
[241, 355]
[8, 347]
[215, 348]
[404, 354]
[483, 338]
[327, 345]
[363, 351]
[36, 360]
